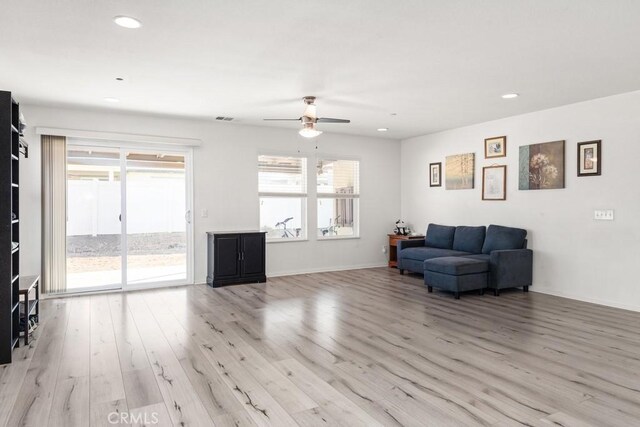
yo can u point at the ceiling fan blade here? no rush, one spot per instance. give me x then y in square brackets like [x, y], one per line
[284, 120]
[329, 120]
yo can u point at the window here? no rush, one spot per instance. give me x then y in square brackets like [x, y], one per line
[338, 195]
[282, 186]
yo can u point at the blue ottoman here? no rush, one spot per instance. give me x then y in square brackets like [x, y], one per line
[456, 274]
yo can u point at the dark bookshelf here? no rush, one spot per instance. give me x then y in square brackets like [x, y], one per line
[10, 145]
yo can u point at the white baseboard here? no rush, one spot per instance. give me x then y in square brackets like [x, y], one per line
[324, 270]
[598, 301]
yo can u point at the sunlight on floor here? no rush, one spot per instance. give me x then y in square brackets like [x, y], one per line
[89, 272]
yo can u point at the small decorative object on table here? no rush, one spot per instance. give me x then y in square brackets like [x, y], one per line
[401, 228]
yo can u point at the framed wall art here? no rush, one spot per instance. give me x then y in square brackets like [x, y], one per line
[435, 174]
[590, 158]
[495, 147]
[459, 171]
[541, 166]
[494, 182]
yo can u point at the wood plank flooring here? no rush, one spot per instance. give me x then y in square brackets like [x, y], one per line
[355, 348]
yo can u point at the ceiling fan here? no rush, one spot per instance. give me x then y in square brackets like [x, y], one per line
[310, 118]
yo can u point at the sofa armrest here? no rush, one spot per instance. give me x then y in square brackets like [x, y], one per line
[411, 243]
[511, 268]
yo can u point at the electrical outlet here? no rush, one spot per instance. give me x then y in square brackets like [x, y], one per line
[384, 249]
[603, 214]
[205, 213]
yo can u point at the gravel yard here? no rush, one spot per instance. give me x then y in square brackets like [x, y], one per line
[102, 253]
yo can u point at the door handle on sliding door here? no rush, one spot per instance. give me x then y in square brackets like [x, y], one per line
[187, 216]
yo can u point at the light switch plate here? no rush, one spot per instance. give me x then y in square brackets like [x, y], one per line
[603, 214]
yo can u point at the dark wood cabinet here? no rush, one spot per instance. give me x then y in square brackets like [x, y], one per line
[236, 257]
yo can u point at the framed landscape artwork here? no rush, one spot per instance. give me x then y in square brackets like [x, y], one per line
[495, 147]
[494, 183]
[435, 174]
[590, 158]
[459, 171]
[541, 166]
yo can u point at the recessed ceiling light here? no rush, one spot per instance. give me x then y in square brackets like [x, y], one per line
[383, 129]
[127, 22]
[112, 100]
[510, 95]
[119, 79]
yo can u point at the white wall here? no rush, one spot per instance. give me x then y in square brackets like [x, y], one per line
[574, 255]
[226, 184]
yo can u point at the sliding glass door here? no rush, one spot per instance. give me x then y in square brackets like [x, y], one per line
[94, 232]
[128, 217]
[157, 220]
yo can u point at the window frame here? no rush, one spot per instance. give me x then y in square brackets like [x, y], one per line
[337, 196]
[304, 197]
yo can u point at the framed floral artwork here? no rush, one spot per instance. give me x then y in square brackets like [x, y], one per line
[435, 174]
[494, 182]
[589, 158]
[541, 166]
[495, 147]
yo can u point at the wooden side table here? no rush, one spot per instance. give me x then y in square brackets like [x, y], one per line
[393, 247]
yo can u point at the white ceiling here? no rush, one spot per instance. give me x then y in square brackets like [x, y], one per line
[437, 64]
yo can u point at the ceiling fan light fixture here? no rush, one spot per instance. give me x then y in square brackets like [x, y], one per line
[309, 130]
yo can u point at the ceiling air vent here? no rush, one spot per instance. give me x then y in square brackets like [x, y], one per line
[224, 119]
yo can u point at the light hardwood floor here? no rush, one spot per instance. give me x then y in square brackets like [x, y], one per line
[357, 348]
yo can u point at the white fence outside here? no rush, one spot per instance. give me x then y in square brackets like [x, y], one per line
[152, 206]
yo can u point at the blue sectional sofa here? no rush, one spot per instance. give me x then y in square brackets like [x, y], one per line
[504, 249]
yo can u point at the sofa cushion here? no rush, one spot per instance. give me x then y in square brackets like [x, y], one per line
[440, 236]
[456, 266]
[469, 239]
[420, 254]
[481, 257]
[500, 238]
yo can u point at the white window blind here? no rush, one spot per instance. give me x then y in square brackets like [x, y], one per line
[278, 175]
[338, 177]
